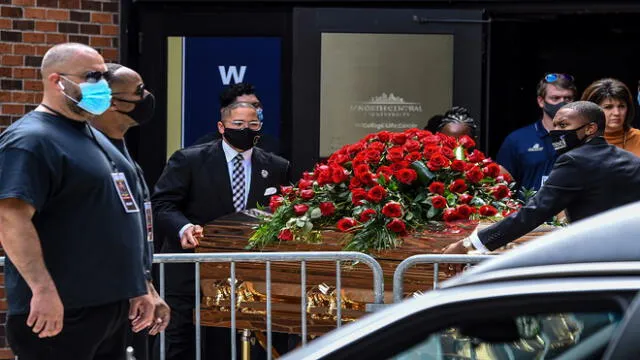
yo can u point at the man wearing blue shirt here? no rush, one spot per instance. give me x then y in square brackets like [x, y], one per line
[527, 153]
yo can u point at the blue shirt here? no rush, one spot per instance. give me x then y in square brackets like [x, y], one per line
[528, 155]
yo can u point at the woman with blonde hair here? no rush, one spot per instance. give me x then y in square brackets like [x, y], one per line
[614, 97]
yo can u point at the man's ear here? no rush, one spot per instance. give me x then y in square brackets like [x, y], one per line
[594, 129]
[220, 127]
[540, 100]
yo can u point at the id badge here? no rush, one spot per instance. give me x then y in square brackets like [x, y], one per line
[544, 179]
[124, 192]
[148, 216]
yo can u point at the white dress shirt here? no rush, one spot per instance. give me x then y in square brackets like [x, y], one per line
[230, 154]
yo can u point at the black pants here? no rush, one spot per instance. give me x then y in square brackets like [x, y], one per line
[180, 336]
[92, 333]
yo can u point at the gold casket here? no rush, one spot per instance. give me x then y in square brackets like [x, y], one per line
[232, 234]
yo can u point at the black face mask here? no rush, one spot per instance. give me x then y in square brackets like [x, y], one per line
[243, 139]
[552, 109]
[565, 140]
[143, 112]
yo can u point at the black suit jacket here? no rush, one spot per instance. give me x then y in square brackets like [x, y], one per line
[195, 188]
[585, 181]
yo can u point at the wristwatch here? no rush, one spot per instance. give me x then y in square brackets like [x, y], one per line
[467, 244]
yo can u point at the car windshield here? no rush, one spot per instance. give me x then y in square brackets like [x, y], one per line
[548, 336]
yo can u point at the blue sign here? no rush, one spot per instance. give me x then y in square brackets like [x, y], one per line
[213, 63]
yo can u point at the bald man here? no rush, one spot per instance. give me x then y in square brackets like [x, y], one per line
[74, 273]
[132, 105]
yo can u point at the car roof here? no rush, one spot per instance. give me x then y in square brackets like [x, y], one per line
[610, 237]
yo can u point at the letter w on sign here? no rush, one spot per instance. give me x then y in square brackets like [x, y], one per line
[232, 71]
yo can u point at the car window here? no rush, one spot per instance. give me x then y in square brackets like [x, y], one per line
[542, 336]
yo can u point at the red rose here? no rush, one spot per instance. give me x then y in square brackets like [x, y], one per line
[373, 155]
[465, 198]
[339, 174]
[395, 154]
[406, 176]
[430, 150]
[397, 226]
[413, 156]
[467, 142]
[411, 146]
[367, 178]
[488, 210]
[338, 159]
[355, 148]
[447, 152]
[345, 224]
[475, 157]
[307, 194]
[437, 187]
[437, 162]
[447, 140]
[360, 169]
[300, 209]
[438, 202]
[305, 184]
[464, 211]
[399, 165]
[457, 165]
[500, 192]
[430, 140]
[384, 136]
[504, 177]
[367, 214]
[474, 175]
[492, 170]
[327, 208]
[275, 202]
[377, 146]
[285, 235]
[458, 186]
[354, 183]
[392, 209]
[376, 194]
[308, 175]
[357, 195]
[398, 138]
[286, 190]
[385, 170]
[450, 215]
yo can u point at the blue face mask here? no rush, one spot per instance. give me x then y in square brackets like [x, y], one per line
[95, 97]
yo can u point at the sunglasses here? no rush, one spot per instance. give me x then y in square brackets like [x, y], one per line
[138, 92]
[91, 76]
[551, 78]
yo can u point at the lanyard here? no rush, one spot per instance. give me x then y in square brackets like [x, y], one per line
[146, 195]
[114, 167]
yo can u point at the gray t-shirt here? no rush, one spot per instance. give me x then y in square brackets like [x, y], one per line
[91, 246]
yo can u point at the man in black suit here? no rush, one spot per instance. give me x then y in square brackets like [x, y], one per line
[588, 178]
[198, 185]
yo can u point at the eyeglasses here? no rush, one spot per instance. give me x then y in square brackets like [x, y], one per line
[551, 78]
[253, 125]
[91, 76]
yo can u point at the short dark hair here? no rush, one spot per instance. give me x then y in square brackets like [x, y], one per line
[459, 115]
[590, 112]
[564, 82]
[433, 124]
[605, 89]
[230, 93]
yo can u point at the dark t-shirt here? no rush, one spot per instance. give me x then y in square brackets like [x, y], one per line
[142, 195]
[91, 246]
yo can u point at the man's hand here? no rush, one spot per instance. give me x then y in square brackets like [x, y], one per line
[141, 312]
[455, 248]
[161, 314]
[47, 313]
[191, 237]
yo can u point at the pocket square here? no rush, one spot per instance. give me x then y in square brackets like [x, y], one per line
[270, 191]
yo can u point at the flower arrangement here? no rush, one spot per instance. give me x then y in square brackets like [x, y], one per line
[386, 186]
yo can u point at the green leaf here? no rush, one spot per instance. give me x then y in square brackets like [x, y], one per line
[382, 180]
[458, 152]
[409, 216]
[424, 174]
[477, 201]
[315, 213]
[432, 213]
[300, 223]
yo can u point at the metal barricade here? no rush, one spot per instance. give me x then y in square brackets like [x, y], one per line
[267, 258]
[398, 275]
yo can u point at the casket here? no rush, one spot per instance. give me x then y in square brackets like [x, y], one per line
[231, 235]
